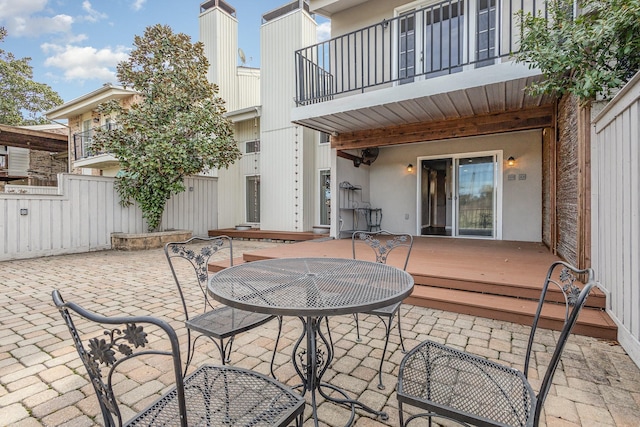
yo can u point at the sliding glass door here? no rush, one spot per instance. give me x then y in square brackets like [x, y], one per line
[476, 196]
[458, 196]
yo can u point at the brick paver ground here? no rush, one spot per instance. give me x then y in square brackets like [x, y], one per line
[43, 383]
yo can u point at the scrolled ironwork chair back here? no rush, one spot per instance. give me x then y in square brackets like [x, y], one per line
[383, 243]
[199, 260]
[103, 354]
[575, 286]
[492, 393]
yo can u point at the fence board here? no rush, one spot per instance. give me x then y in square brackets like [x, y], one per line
[83, 212]
[616, 190]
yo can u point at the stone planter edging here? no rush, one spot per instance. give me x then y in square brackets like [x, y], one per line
[142, 241]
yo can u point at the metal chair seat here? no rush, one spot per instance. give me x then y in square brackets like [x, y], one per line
[455, 385]
[381, 244]
[225, 322]
[459, 385]
[219, 323]
[225, 396]
[209, 396]
[385, 311]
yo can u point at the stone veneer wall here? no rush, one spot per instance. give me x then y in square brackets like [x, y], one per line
[567, 179]
[44, 168]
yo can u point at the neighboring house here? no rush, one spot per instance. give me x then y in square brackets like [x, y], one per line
[281, 182]
[83, 119]
[430, 85]
[32, 155]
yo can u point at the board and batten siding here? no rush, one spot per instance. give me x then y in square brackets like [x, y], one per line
[219, 33]
[87, 210]
[287, 156]
[615, 210]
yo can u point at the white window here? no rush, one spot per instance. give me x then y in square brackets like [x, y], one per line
[252, 198]
[252, 146]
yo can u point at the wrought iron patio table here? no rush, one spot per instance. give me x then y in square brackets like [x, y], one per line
[312, 289]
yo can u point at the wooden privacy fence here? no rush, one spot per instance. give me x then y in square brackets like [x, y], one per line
[86, 210]
[615, 211]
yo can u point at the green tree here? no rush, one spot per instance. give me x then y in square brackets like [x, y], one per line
[175, 130]
[19, 94]
[588, 56]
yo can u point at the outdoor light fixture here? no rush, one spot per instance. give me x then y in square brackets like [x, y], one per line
[409, 168]
[511, 161]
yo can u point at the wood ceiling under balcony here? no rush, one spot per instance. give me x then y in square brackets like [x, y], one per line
[479, 102]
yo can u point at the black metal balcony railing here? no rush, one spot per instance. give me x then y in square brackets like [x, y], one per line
[432, 41]
[83, 142]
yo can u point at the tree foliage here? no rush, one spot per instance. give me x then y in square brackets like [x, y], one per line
[19, 94]
[590, 56]
[175, 130]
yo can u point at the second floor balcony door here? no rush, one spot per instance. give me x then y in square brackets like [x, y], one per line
[436, 39]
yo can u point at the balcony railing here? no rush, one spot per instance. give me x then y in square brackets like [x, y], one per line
[443, 38]
[83, 142]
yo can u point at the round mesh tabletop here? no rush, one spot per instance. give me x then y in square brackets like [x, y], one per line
[310, 286]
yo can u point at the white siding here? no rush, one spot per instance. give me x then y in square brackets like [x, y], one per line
[248, 87]
[231, 187]
[615, 210]
[219, 33]
[87, 210]
[288, 167]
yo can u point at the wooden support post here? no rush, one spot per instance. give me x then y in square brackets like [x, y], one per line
[583, 240]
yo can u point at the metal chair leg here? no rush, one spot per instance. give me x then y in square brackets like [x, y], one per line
[384, 351]
[400, 332]
[358, 339]
[275, 348]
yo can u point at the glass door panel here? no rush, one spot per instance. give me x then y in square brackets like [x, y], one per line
[476, 196]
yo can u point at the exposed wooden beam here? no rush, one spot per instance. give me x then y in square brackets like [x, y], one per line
[532, 118]
[33, 139]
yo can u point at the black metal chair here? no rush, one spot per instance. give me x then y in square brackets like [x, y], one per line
[383, 243]
[217, 323]
[209, 396]
[451, 384]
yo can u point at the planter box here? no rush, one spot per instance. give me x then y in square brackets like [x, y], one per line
[142, 241]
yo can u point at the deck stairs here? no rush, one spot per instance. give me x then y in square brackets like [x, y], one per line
[467, 279]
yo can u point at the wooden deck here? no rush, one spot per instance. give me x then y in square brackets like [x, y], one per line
[495, 279]
[255, 233]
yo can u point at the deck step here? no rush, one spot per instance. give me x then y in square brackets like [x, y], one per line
[508, 287]
[215, 266]
[592, 322]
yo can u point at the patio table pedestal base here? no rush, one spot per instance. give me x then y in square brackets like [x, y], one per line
[312, 363]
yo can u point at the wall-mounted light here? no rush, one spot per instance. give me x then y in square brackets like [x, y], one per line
[511, 161]
[409, 168]
[24, 211]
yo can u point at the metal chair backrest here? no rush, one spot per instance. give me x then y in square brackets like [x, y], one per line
[383, 243]
[568, 280]
[104, 352]
[197, 251]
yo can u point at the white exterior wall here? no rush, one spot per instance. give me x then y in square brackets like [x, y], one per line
[287, 158]
[87, 210]
[387, 184]
[232, 181]
[248, 87]
[615, 211]
[219, 33]
[18, 161]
